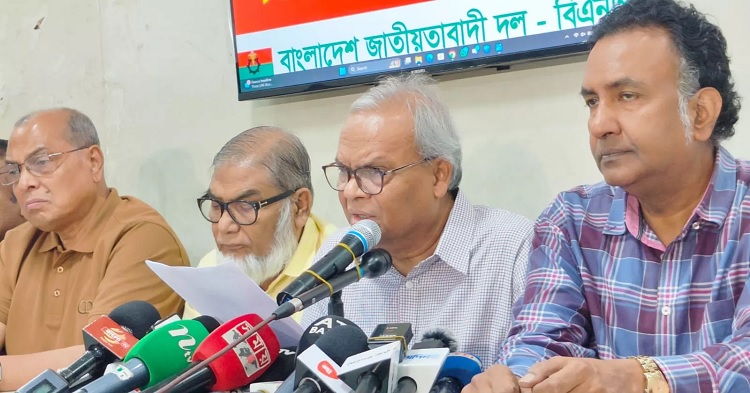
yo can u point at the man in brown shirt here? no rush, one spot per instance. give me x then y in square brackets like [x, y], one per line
[10, 215]
[82, 251]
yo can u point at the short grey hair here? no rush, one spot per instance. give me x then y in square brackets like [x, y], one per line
[281, 152]
[688, 85]
[434, 130]
[81, 130]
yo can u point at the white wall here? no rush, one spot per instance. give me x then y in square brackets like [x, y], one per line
[157, 78]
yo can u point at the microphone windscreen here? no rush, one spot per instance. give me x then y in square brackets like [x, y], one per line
[342, 342]
[318, 328]
[282, 367]
[368, 231]
[462, 366]
[137, 316]
[209, 322]
[441, 335]
[167, 351]
[245, 362]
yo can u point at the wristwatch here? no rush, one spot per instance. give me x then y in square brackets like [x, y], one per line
[655, 381]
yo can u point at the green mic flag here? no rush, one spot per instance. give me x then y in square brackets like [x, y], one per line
[168, 349]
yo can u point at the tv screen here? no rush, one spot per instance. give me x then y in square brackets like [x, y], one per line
[297, 46]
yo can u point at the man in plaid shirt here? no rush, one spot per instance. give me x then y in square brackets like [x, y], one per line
[638, 284]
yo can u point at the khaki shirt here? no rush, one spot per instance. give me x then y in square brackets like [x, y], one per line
[49, 292]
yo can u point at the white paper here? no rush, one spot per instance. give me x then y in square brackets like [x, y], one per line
[225, 292]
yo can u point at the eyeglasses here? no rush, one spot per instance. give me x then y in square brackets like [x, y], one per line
[369, 180]
[241, 212]
[41, 164]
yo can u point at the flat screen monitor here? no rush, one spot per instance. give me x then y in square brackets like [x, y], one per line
[287, 47]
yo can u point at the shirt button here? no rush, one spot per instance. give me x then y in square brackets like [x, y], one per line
[56, 293]
[409, 285]
[696, 225]
[60, 269]
[666, 311]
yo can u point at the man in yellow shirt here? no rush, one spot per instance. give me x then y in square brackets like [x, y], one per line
[259, 204]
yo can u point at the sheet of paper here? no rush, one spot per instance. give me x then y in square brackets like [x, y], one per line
[225, 292]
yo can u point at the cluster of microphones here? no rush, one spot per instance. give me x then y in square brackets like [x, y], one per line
[131, 349]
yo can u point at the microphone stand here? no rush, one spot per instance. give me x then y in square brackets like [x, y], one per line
[336, 305]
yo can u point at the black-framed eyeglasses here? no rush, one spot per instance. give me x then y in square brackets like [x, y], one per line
[369, 180]
[241, 212]
[40, 164]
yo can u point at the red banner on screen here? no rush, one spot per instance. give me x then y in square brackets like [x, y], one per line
[257, 15]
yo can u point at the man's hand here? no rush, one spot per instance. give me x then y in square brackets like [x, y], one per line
[565, 374]
[19, 369]
[496, 379]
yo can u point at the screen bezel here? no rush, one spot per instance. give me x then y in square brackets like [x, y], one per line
[495, 61]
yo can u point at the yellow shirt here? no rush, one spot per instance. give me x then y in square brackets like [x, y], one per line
[316, 231]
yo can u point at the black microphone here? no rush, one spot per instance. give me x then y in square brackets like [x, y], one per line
[318, 328]
[282, 368]
[337, 344]
[312, 333]
[108, 338]
[437, 338]
[372, 264]
[360, 238]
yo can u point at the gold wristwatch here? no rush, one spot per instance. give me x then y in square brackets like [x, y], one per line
[655, 381]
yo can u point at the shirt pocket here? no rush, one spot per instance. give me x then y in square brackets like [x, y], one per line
[717, 320]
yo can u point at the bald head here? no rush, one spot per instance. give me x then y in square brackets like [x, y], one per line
[80, 129]
[280, 152]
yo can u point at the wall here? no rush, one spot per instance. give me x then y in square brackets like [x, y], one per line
[157, 79]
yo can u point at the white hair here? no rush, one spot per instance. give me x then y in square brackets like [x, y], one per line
[434, 131]
[281, 152]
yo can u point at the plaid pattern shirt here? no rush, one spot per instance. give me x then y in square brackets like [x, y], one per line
[601, 285]
[466, 288]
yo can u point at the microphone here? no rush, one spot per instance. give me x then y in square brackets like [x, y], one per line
[107, 339]
[313, 332]
[386, 333]
[318, 328]
[282, 368]
[236, 368]
[320, 364]
[160, 354]
[421, 365]
[361, 237]
[456, 373]
[245, 362]
[270, 381]
[374, 371]
[373, 264]
[437, 338]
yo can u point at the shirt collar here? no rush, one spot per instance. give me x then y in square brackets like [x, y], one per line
[454, 246]
[718, 199]
[713, 207]
[92, 229]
